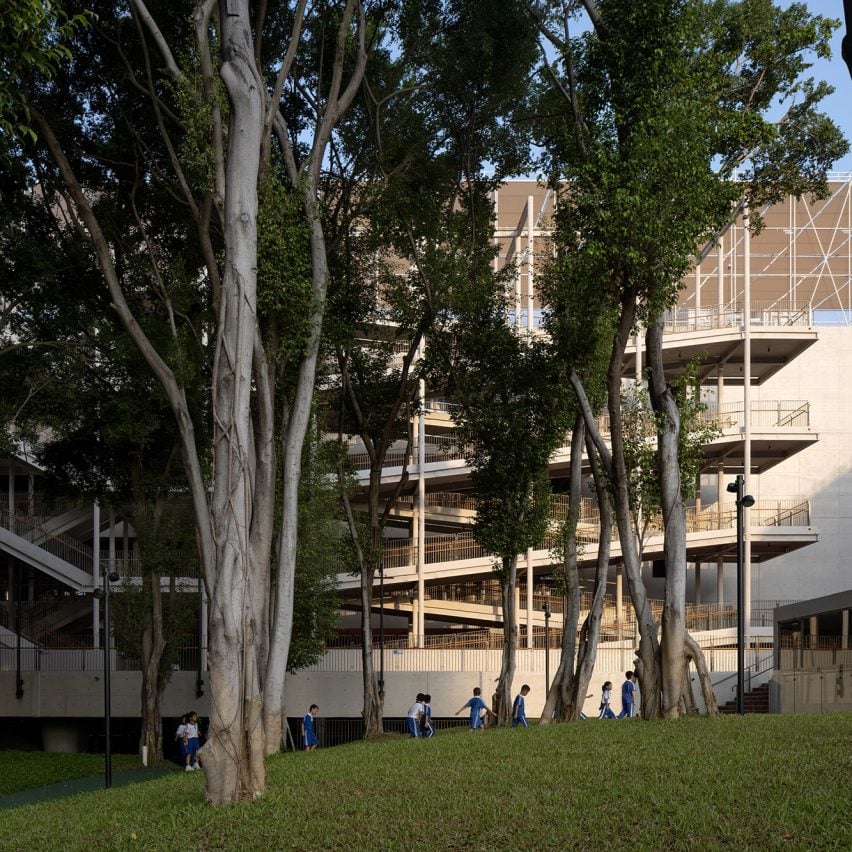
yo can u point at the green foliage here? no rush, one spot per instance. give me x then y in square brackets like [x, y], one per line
[33, 40]
[701, 796]
[640, 447]
[320, 545]
[167, 550]
[675, 101]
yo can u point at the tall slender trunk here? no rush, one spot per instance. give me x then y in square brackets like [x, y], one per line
[153, 647]
[590, 635]
[510, 640]
[558, 700]
[672, 644]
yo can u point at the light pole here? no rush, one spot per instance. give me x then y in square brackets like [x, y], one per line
[546, 592]
[744, 501]
[103, 594]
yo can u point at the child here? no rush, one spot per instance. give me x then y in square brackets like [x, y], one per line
[426, 729]
[192, 741]
[628, 688]
[180, 739]
[519, 713]
[309, 738]
[415, 714]
[606, 695]
[476, 705]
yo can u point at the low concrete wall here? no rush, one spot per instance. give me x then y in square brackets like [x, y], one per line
[825, 691]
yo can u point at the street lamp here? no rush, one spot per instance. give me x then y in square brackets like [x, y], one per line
[103, 594]
[744, 501]
[546, 592]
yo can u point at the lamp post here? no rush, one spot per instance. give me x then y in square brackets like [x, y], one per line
[103, 594]
[547, 613]
[744, 501]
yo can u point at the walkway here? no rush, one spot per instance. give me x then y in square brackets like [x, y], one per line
[73, 786]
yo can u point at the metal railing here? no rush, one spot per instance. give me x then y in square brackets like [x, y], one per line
[773, 314]
[783, 413]
[60, 545]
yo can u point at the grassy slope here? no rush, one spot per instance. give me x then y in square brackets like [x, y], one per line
[777, 782]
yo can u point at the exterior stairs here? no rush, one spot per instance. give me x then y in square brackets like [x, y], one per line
[754, 701]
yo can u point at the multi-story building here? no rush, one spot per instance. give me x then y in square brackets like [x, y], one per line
[768, 317]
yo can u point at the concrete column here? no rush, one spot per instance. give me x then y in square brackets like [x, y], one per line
[844, 629]
[420, 622]
[619, 594]
[697, 582]
[530, 589]
[530, 261]
[11, 505]
[720, 582]
[747, 415]
[415, 641]
[111, 541]
[720, 276]
[813, 629]
[517, 596]
[96, 574]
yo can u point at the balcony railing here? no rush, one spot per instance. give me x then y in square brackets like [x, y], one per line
[777, 314]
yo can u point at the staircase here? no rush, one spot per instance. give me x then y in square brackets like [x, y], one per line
[754, 701]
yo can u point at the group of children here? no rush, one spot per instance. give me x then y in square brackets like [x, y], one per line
[628, 698]
[480, 712]
[419, 721]
[187, 737]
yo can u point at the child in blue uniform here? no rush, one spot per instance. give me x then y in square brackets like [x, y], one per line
[519, 713]
[426, 728]
[476, 705]
[415, 714]
[309, 738]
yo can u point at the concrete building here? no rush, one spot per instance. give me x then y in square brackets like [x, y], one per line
[775, 308]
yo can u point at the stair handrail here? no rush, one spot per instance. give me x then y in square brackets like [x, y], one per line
[63, 545]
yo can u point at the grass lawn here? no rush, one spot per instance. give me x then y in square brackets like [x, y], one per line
[23, 770]
[758, 782]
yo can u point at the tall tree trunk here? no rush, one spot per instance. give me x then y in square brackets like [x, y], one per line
[371, 712]
[235, 750]
[590, 635]
[672, 644]
[647, 666]
[510, 640]
[153, 647]
[558, 699]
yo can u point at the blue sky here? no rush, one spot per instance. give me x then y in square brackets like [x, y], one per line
[834, 71]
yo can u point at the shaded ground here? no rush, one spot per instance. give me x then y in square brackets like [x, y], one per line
[73, 786]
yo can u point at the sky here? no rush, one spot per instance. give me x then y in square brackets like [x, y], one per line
[839, 105]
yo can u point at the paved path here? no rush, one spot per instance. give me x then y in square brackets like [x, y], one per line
[81, 785]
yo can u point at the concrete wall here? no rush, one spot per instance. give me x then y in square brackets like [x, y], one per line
[81, 695]
[822, 473]
[825, 691]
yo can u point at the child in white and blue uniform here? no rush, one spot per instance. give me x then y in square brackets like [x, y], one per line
[476, 705]
[606, 696]
[519, 713]
[415, 713]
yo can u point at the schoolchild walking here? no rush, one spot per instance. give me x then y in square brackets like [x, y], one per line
[476, 706]
[519, 713]
[628, 689]
[309, 737]
[606, 697]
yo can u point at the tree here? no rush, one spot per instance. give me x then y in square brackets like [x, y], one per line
[201, 108]
[431, 121]
[661, 126]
